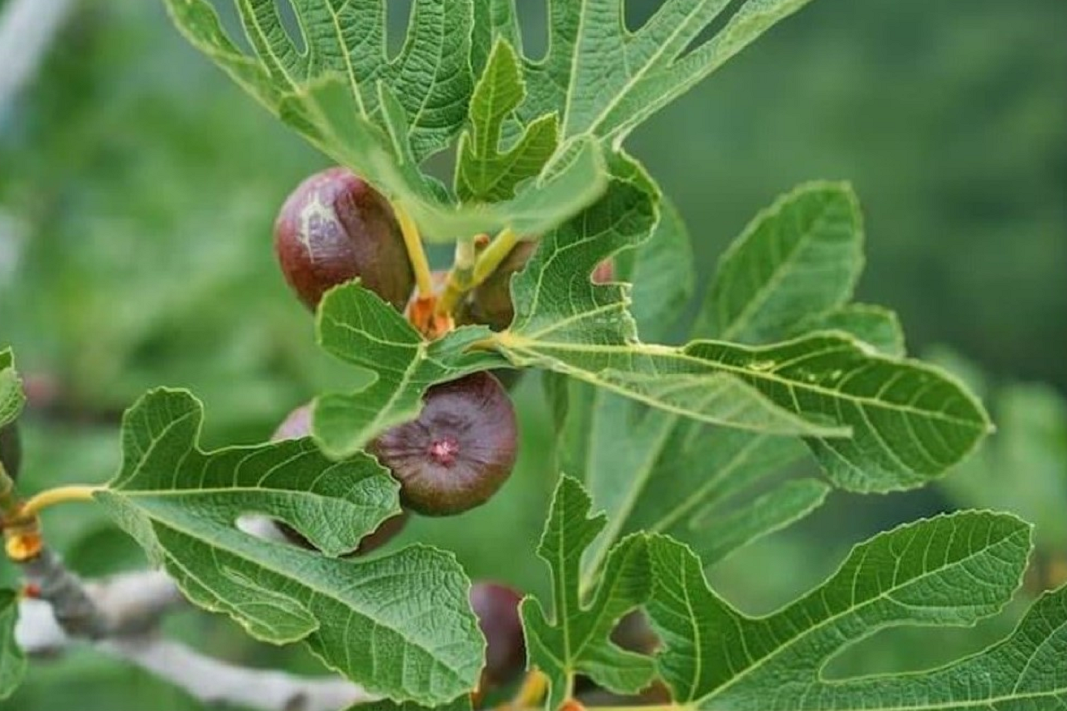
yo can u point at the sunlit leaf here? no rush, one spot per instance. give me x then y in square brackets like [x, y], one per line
[356, 326]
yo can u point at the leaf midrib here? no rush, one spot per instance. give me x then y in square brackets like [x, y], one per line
[515, 342]
[768, 657]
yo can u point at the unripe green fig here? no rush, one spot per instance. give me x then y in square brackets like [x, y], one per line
[497, 608]
[335, 227]
[297, 424]
[458, 452]
[10, 449]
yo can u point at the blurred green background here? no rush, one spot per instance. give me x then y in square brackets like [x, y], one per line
[138, 186]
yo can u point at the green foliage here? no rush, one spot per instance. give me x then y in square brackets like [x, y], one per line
[796, 263]
[11, 396]
[951, 570]
[682, 446]
[12, 660]
[383, 118]
[367, 619]
[484, 174]
[575, 638]
[356, 326]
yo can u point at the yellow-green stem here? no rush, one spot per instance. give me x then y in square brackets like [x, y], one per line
[493, 255]
[459, 277]
[416, 254]
[471, 269]
[60, 494]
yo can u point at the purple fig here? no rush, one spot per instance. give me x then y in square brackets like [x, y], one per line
[497, 608]
[335, 227]
[458, 452]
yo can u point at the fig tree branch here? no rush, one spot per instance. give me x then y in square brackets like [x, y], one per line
[120, 615]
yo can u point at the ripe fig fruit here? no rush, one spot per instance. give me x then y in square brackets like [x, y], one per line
[297, 424]
[335, 227]
[497, 609]
[458, 452]
[10, 449]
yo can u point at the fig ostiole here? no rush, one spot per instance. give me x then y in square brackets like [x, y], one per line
[334, 227]
[458, 452]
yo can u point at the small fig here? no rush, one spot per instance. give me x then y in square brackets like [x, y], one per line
[458, 452]
[490, 301]
[10, 449]
[297, 424]
[497, 608]
[335, 227]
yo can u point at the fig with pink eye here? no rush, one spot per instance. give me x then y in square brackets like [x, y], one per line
[335, 227]
[458, 452]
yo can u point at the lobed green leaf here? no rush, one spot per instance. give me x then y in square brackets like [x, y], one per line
[606, 80]
[400, 625]
[951, 570]
[575, 638]
[483, 172]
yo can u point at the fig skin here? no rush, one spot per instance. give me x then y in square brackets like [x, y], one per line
[335, 227]
[497, 608]
[458, 452]
[11, 449]
[297, 424]
[490, 301]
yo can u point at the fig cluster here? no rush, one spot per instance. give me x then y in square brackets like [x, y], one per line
[460, 450]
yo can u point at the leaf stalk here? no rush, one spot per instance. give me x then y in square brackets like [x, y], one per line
[416, 253]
